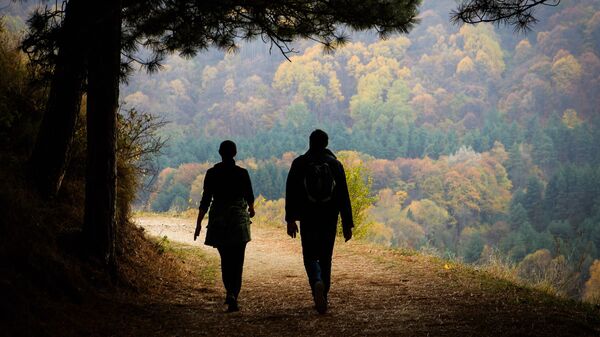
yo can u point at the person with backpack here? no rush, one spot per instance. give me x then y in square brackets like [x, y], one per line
[228, 193]
[316, 193]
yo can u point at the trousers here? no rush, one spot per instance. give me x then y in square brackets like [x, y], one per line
[317, 249]
[232, 266]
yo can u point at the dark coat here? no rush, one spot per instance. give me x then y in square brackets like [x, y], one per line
[299, 207]
[228, 188]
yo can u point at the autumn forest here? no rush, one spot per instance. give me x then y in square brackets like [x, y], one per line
[474, 141]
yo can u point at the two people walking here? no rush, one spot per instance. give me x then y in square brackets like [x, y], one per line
[316, 194]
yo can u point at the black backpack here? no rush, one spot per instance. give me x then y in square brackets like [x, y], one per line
[319, 182]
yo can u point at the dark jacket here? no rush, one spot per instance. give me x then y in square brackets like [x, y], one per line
[228, 192]
[299, 207]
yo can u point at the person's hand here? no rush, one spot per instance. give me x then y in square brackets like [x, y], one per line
[197, 231]
[292, 229]
[251, 212]
[199, 223]
[347, 234]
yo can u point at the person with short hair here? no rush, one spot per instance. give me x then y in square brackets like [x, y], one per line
[228, 193]
[316, 193]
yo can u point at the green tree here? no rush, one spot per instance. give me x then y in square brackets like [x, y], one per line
[518, 216]
[516, 166]
[359, 188]
[544, 153]
[473, 248]
[533, 203]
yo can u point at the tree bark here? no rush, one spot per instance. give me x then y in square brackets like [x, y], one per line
[51, 153]
[102, 104]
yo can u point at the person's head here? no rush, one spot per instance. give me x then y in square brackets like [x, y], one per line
[227, 150]
[318, 140]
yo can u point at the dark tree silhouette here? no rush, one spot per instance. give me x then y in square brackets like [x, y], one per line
[102, 103]
[190, 26]
[516, 13]
[50, 155]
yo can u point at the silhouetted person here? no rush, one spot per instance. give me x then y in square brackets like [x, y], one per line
[228, 187]
[316, 192]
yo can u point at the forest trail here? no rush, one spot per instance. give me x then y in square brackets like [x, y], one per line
[375, 292]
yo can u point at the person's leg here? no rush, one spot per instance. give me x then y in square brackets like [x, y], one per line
[325, 253]
[311, 251]
[310, 254]
[232, 264]
[238, 253]
[226, 258]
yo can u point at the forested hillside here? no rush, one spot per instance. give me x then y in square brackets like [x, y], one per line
[478, 141]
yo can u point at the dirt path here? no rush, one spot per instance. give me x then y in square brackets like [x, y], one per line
[375, 292]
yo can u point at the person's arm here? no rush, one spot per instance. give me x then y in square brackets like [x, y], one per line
[249, 194]
[207, 195]
[291, 200]
[344, 203]
[201, 214]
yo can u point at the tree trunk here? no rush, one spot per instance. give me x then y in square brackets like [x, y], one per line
[102, 104]
[50, 155]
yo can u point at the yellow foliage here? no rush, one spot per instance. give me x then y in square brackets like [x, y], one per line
[499, 152]
[269, 212]
[354, 65]
[229, 87]
[409, 233]
[418, 90]
[482, 42]
[570, 118]
[391, 48]
[379, 233]
[486, 60]
[566, 72]
[359, 187]
[465, 66]
[335, 87]
[403, 73]
[401, 196]
[592, 285]
[196, 191]
[352, 158]
[209, 74]
[523, 49]
[542, 36]
[250, 163]
[553, 274]
[429, 214]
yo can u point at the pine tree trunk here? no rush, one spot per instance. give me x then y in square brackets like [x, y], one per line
[50, 156]
[102, 104]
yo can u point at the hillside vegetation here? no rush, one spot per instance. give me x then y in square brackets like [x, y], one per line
[49, 283]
